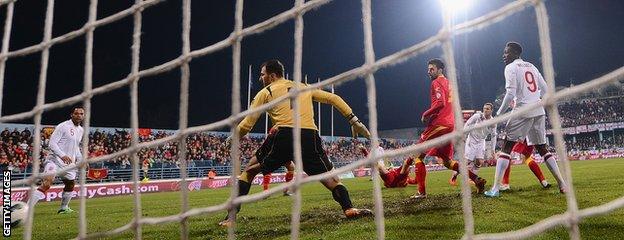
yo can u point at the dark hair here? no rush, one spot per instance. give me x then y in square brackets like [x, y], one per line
[515, 48]
[436, 62]
[489, 104]
[76, 107]
[273, 66]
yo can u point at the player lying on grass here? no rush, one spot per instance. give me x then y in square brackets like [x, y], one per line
[392, 177]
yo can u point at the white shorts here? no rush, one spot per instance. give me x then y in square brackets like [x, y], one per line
[474, 150]
[51, 167]
[531, 128]
[489, 150]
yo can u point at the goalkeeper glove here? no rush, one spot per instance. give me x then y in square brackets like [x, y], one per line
[357, 127]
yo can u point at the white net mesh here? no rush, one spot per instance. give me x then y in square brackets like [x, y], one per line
[570, 218]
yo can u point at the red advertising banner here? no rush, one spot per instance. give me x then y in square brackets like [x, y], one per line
[194, 184]
[126, 188]
[97, 174]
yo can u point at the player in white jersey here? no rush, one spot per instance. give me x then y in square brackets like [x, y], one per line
[474, 150]
[524, 85]
[490, 147]
[64, 152]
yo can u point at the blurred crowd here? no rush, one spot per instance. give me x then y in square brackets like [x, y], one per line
[592, 141]
[591, 111]
[203, 149]
[208, 149]
[16, 148]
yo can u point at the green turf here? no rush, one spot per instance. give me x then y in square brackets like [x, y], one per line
[437, 217]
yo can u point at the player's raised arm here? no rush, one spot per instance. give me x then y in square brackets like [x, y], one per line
[357, 127]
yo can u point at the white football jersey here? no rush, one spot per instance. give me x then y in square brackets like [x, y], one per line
[525, 84]
[65, 141]
[479, 135]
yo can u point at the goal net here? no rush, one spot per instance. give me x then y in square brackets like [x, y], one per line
[570, 219]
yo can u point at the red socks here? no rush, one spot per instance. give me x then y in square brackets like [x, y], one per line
[266, 179]
[289, 176]
[471, 175]
[535, 169]
[421, 175]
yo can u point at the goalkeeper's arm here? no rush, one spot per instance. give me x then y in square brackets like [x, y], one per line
[250, 120]
[357, 127]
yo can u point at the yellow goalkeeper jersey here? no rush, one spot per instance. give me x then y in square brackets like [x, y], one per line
[282, 114]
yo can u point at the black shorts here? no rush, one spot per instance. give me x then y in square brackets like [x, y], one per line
[277, 150]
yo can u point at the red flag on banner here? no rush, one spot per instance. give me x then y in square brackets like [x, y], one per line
[97, 174]
[144, 132]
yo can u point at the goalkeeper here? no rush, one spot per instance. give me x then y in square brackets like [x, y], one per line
[277, 148]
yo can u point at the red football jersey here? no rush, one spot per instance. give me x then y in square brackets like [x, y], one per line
[441, 111]
[394, 178]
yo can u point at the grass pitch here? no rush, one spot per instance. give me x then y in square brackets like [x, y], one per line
[437, 217]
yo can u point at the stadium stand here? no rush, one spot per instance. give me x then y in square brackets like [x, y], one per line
[585, 139]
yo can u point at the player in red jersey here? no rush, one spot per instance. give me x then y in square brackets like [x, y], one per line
[525, 152]
[392, 177]
[439, 120]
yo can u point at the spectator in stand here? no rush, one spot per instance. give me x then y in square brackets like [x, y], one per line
[4, 161]
[212, 174]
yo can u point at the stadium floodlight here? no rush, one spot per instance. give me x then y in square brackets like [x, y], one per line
[455, 6]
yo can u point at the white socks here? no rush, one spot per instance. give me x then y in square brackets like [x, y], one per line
[38, 195]
[551, 163]
[501, 165]
[65, 201]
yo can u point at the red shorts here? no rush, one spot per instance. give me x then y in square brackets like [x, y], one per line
[443, 151]
[394, 178]
[522, 148]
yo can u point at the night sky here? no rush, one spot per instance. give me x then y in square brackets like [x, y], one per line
[587, 39]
